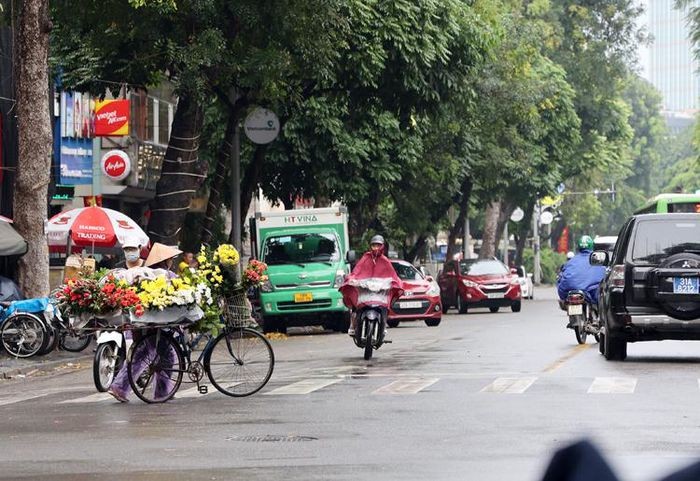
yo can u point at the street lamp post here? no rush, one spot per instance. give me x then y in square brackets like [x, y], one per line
[537, 270]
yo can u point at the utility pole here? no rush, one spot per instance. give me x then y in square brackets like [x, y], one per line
[236, 188]
[537, 274]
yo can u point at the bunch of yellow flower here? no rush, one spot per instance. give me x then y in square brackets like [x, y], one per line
[160, 293]
[226, 255]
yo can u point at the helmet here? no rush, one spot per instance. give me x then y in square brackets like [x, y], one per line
[131, 241]
[585, 243]
[377, 239]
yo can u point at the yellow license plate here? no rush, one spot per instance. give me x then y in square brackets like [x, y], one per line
[303, 297]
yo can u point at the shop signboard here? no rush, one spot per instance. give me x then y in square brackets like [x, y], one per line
[116, 165]
[75, 161]
[112, 118]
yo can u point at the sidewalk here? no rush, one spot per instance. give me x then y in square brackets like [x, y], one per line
[55, 361]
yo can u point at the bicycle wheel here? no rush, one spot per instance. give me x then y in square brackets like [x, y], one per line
[239, 362]
[105, 365]
[155, 367]
[50, 339]
[23, 334]
[75, 342]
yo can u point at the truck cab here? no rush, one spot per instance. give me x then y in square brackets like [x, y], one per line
[305, 254]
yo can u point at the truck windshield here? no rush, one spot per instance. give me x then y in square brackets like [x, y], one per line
[656, 240]
[300, 249]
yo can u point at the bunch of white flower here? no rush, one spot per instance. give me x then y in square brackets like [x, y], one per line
[202, 294]
[183, 297]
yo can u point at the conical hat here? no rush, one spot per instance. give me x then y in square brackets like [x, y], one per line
[160, 252]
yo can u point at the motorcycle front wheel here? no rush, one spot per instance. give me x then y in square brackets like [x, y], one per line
[369, 331]
[105, 365]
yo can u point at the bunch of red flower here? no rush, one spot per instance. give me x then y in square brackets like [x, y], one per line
[79, 296]
[254, 274]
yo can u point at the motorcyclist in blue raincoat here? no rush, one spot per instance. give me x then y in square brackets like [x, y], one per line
[578, 273]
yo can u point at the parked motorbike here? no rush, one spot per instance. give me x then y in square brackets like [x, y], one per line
[371, 322]
[582, 316]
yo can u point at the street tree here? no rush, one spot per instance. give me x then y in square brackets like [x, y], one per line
[33, 26]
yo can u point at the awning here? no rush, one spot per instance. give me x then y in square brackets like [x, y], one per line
[11, 243]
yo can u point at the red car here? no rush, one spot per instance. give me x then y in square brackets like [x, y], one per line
[420, 300]
[473, 283]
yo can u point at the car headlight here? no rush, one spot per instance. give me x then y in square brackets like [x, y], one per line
[469, 283]
[267, 287]
[433, 290]
[517, 281]
[339, 278]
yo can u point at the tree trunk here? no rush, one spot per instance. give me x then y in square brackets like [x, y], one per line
[181, 176]
[251, 179]
[503, 217]
[488, 239]
[523, 233]
[457, 229]
[220, 174]
[34, 144]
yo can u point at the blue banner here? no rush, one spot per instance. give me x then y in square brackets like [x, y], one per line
[75, 161]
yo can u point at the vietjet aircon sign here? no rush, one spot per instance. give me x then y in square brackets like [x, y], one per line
[112, 118]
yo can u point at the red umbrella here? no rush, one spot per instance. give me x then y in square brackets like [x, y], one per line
[93, 227]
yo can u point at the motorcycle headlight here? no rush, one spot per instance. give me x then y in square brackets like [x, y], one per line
[469, 283]
[434, 290]
[266, 287]
[339, 278]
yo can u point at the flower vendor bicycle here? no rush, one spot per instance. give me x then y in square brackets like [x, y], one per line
[238, 361]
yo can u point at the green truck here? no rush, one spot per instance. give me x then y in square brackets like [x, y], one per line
[305, 251]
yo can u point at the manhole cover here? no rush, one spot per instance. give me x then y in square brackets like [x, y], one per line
[271, 438]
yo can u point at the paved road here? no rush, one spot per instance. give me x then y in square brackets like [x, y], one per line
[483, 396]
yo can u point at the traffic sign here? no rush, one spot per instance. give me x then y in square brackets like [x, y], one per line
[261, 126]
[517, 215]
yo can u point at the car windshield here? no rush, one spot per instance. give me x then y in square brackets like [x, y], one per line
[483, 267]
[301, 249]
[407, 272]
[656, 240]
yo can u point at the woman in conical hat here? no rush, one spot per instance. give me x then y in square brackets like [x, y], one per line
[162, 257]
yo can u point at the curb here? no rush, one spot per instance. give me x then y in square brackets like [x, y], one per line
[10, 372]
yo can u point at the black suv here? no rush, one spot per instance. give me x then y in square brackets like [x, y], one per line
[650, 289]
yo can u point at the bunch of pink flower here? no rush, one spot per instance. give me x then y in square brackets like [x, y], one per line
[254, 274]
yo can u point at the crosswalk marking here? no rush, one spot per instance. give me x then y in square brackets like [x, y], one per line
[303, 387]
[510, 385]
[92, 398]
[18, 399]
[406, 386]
[613, 385]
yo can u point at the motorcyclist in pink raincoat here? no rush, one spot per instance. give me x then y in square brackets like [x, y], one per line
[372, 268]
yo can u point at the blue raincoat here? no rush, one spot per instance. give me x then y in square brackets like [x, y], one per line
[578, 273]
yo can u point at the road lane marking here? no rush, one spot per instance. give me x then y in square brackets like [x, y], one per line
[406, 386]
[578, 349]
[26, 397]
[92, 398]
[303, 387]
[613, 385]
[510, 385]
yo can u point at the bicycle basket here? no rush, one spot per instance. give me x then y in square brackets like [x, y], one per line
[236, 310]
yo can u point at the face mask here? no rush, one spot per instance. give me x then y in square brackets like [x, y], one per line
[131, 256]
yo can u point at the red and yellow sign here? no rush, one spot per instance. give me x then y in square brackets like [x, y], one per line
[112, 118]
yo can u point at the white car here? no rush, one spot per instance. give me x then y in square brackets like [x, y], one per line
[527, 287]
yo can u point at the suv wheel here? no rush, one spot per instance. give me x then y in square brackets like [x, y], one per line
[614, 348]
[461, 305]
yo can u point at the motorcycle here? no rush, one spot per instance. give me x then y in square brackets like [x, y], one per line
[582, 316]
[112, 347]
[371, 314]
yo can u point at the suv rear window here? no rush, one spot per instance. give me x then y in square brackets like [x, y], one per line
[657, 239]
